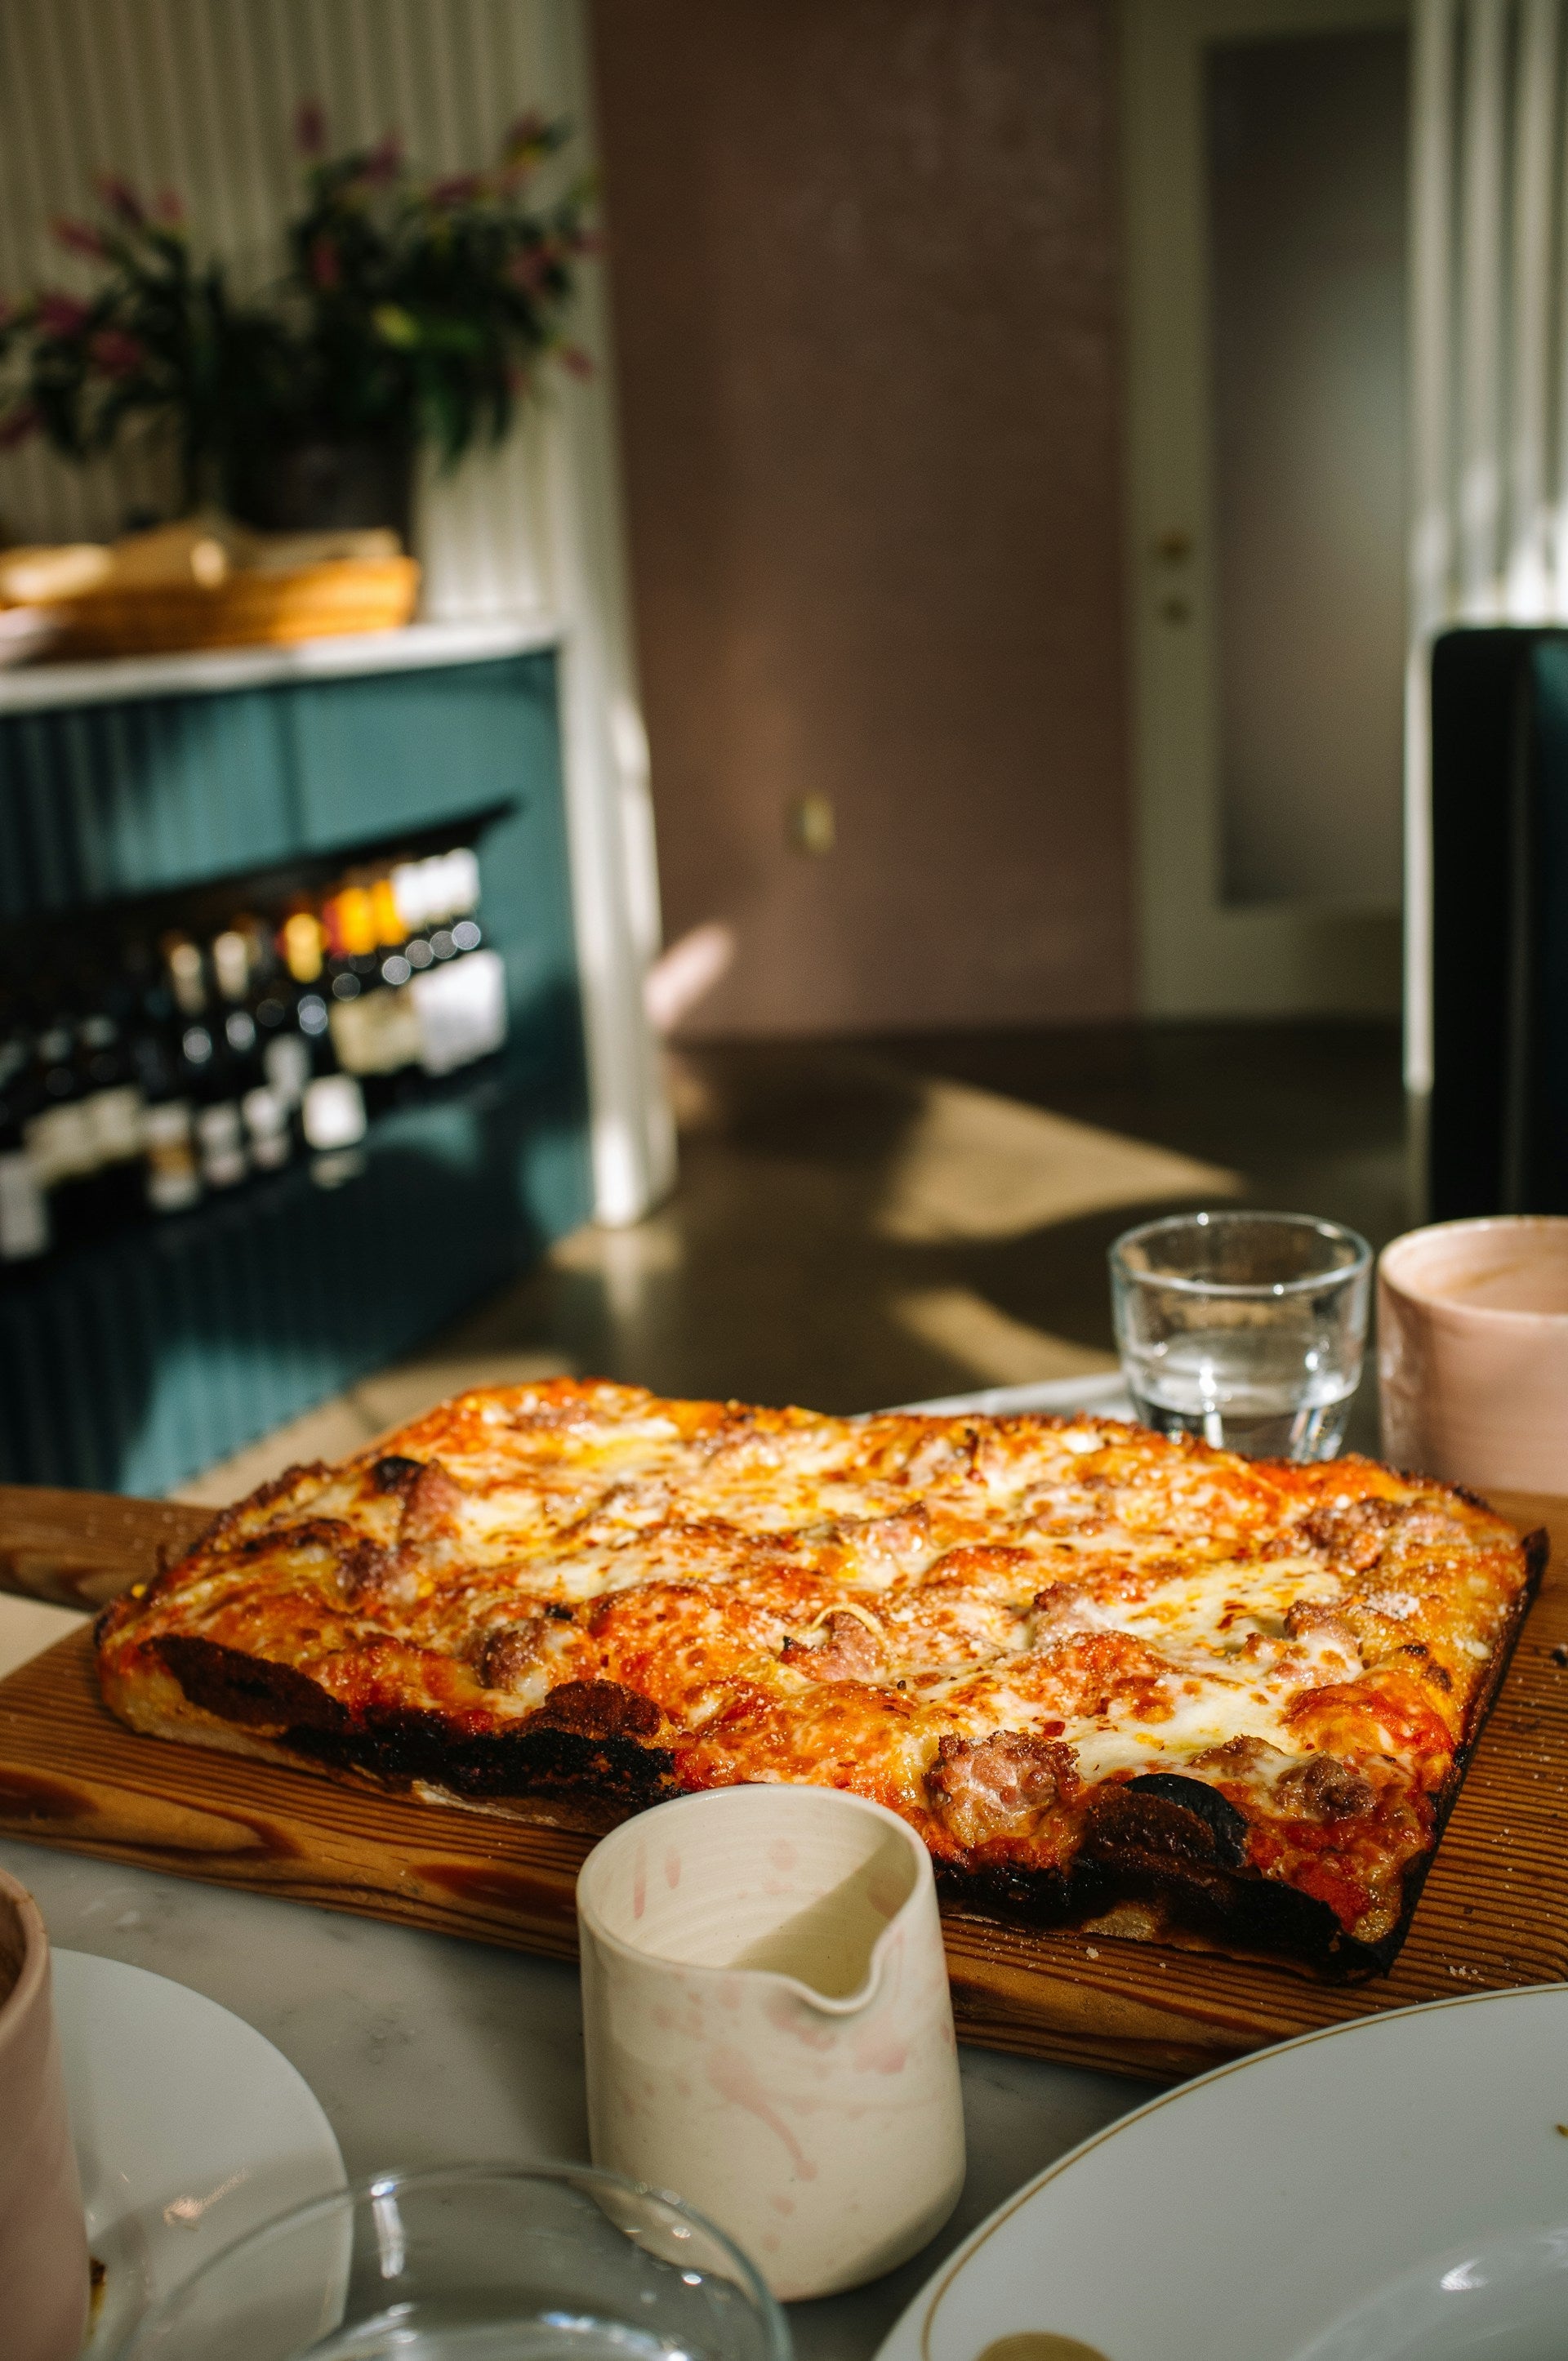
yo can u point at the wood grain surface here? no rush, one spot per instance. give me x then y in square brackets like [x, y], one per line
[1495, 1911]
[80, 1549]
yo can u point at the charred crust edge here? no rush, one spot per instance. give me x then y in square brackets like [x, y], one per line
[1229, 1910]
[249, 1690]
[536, 1759]
[588, 1748]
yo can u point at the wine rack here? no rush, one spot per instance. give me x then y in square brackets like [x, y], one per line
[138, 1357]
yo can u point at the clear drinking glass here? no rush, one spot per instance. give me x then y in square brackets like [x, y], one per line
[475, 2263]
[1245, 1329]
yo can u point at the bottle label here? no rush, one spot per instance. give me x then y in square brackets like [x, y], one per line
[334, 1111]
[461, 1011]
[266, 1126]
[23, 1209]
[378, 1034]
[221, 1144]
[60, 1144]
[114, 1117]
[287, 1065]
[173, 1180]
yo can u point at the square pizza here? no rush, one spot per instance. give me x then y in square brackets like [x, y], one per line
[1114, 1680]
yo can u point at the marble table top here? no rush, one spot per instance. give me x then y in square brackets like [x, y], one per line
[423, 2049]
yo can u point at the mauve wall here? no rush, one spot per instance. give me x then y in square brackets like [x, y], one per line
[865, 280]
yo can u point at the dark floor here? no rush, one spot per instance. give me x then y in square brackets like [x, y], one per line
[867, 1223]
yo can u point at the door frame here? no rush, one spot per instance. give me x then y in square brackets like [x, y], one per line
[1200, 955]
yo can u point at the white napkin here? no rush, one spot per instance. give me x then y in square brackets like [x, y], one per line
[28, 1626]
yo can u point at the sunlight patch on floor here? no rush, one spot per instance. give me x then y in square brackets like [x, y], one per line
[993, 1346]
[976, 1166]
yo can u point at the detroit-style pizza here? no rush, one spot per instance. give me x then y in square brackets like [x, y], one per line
[1114, 1680]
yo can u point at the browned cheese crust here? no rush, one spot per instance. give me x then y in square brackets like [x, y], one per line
[1114, 1680]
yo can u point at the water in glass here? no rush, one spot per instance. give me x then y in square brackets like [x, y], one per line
[1245, 1329]
[1243, 1390]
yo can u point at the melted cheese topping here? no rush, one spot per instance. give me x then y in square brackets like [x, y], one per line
[984, 1622]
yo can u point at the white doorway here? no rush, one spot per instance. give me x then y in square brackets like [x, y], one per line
[1266, 168]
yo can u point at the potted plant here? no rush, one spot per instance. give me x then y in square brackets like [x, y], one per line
[412, 310]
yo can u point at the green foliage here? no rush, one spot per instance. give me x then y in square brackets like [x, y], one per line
[411, 308]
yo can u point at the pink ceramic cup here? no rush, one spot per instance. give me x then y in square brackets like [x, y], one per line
[43, 2239]
[1472, 1352]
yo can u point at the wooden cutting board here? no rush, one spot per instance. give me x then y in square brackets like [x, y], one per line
[1495, 1911]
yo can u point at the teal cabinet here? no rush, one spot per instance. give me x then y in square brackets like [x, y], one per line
[403, 750]
[147, 1355]
[99, 802]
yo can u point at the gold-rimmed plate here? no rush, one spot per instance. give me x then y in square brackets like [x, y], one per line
[1392, 2190]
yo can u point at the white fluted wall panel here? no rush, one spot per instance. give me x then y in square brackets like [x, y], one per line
[200, 96]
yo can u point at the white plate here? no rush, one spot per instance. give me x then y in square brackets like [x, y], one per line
[189, 2129]
[1103, 1393]
[1394, 2188]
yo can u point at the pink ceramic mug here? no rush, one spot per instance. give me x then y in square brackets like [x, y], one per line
[1472, 1352]
[43, 2239]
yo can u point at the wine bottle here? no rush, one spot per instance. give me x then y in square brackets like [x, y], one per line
[236, 956]
[24, 1229]
[461, 998]
[288, 1056]
[56, 1132]
[207, 1062]
[112, 1102]
[375, 1027]
[172, 1178]
[332, 1109]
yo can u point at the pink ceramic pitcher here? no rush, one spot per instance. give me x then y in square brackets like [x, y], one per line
[769, 2028]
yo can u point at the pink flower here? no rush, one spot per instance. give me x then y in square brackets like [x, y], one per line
[325, 267]
[116, 196]
[309, 127]
[80, 237]
[576, 362]
[587, 241]
[116, 354]
[458, 189]
[384, 157]
[169, 207]
[16, 425]
[61, 316]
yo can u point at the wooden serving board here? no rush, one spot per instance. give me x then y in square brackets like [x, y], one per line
[1495, 1911]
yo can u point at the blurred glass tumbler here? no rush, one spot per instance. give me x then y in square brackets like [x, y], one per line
[473, 2263]
[1245, 1329]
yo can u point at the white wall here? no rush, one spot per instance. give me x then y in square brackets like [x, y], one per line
[200, 96]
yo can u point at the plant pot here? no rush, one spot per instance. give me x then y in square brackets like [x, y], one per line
[323, 485]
